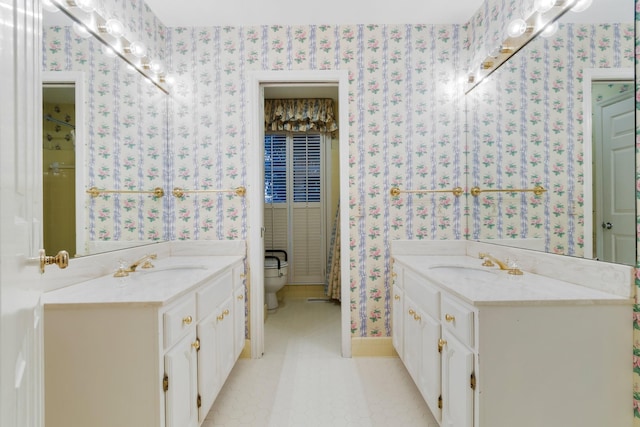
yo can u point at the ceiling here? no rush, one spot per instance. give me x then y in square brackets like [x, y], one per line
[260, 12]
[196, 13]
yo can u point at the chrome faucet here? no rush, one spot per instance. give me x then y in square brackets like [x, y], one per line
[145, 261]
[489, 260]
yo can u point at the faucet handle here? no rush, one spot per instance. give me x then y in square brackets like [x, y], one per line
[486, 258]
[121, 271]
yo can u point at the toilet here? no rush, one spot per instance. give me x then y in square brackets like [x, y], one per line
[275, 277]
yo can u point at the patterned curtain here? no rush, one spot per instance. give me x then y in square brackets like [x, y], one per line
[332, 285]
[299, 115]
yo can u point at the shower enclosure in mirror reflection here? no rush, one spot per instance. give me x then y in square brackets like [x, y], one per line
[119, 144]
[527, 128]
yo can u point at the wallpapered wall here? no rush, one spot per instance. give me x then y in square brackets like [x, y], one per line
[526, 129]
[405, 129]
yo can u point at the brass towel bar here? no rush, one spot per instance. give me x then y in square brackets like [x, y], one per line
[457, 191]
[95, 192]
[537, 190]
[239, 191]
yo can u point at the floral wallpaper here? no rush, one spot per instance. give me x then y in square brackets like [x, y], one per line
[405, 130]
[525, 125]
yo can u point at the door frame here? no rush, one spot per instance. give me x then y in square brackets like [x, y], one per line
[77, 79]
[255, 193]
[591, 75]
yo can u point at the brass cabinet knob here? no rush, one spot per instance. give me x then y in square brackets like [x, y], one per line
[226, 312]
[449, 318]
[196, 344]
[187, 320]
[441, 344]
[240, 297]
[416, 317]
[220, 318]
[396, 297]
[411, 312]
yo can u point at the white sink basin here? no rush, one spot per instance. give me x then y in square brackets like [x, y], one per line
[168, 271]
[460, 271]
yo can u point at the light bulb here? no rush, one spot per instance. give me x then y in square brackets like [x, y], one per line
[543, 6]
[581, 5]
[114, 27]
[550, 29]
[156, 66]
[137, 49]
[517, 27]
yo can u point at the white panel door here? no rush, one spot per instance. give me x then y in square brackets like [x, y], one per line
[457, 394]
[616, 219]
[397, 321]
[209, 379]
[181, 368]
[21, 363]
[429, 381]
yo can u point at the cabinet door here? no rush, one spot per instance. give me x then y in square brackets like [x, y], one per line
[238, 321]
[457, 394]
[412, 339]
[397, 332]
[429, 379]
[209, 379]
[180, 364]
[225, 339]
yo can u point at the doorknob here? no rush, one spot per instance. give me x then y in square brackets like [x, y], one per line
[61, 259]
[607, 225]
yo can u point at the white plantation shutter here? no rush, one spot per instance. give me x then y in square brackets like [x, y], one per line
[307, 211]
[294, 213]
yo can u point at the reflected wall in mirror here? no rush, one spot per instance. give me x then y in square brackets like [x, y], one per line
[124, 144]
[526, 128]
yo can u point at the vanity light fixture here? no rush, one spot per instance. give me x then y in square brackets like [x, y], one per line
[550, 29]
[518, 27]
[114, 27]
[156, 66]
[543, 6]
[519, 32]
[112, 33]
[137, 49]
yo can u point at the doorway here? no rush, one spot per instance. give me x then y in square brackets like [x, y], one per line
[609, 159]
[257, 83]
[63, 118]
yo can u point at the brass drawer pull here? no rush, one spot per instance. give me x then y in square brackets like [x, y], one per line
[187, 320]
[396, 297]
[411, 312]
[417, 317]
[449, 317]
[226, 312]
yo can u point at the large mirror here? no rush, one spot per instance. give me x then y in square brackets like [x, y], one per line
[104, 127]
[559, 114]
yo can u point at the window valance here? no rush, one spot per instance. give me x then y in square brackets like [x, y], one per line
[299, 115]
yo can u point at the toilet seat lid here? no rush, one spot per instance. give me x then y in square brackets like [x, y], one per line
[273, 263]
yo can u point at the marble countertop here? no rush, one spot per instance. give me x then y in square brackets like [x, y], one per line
[479, 285]
[170, 278]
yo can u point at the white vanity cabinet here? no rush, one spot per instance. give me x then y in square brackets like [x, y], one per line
[142, 354]
[489, 359]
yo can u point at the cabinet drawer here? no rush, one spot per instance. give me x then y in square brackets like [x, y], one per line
[178, 320]
[212, 295]
[426, 296]
[458, 319]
